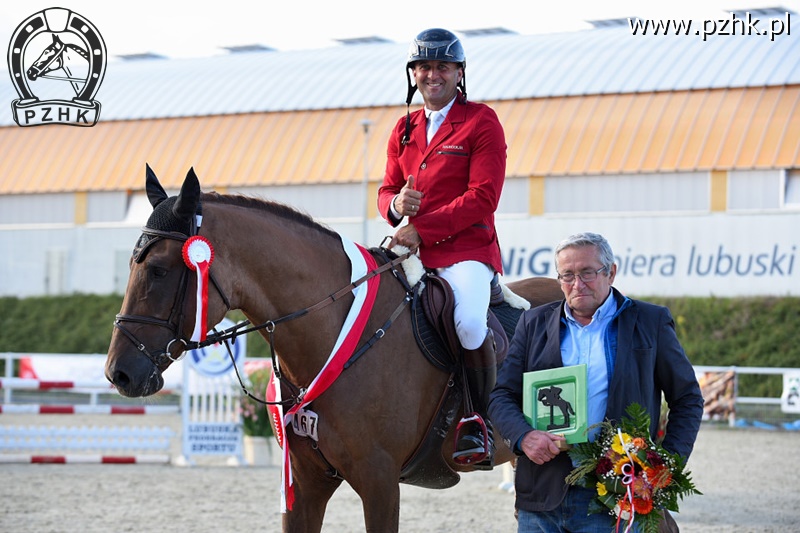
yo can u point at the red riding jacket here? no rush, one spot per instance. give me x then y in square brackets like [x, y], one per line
[461, 176]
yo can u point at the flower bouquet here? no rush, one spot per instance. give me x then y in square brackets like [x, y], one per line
[634, 477]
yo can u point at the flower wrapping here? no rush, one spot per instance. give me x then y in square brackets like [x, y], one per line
[633, 476]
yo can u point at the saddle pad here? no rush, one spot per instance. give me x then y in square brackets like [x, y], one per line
[508, 317]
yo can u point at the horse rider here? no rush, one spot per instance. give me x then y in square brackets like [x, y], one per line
[444, 174]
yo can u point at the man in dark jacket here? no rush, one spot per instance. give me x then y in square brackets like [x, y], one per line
[632, 355]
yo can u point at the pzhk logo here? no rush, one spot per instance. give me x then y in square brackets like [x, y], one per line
[53, 54]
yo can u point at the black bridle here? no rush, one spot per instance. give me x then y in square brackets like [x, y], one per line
[163, 358]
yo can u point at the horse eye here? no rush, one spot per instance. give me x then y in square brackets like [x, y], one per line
[159, 272]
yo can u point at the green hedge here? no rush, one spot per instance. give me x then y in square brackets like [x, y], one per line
[740, 332]
[72, 324]
[714, 331]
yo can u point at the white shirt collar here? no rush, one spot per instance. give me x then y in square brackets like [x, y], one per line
[443, 111]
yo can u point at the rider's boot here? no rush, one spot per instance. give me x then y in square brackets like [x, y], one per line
[481, 375]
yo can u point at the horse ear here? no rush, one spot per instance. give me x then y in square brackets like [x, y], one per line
[155, 192]
[189, 197]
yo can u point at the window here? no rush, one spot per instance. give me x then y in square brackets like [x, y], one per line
[627, 193]
[792, 189]
[754, 189]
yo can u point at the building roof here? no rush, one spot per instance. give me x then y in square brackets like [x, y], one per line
[681, 131]
[500, 66]
[592, 102]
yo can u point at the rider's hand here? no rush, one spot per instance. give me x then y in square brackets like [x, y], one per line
[406, 236]
[408, 201]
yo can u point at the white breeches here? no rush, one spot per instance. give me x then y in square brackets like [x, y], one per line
[471, 283]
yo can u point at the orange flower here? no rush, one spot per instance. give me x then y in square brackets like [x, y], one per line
[640, 443]
[640, 505]
[643, 506]
[659, 476]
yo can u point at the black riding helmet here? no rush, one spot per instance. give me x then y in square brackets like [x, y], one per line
[434, 44]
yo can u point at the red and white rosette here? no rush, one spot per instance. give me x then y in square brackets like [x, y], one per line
[198, 255]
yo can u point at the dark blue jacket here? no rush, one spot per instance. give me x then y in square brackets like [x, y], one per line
[649, 360]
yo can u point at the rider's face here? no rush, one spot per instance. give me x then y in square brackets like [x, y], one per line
[437, 81]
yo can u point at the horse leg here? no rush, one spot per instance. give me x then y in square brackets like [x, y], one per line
[382, 506]
[377, 483]
[313, 488]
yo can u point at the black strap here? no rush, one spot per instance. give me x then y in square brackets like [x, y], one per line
[379, 333]
[298, 393]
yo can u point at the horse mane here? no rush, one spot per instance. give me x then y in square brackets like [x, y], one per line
[278, 209]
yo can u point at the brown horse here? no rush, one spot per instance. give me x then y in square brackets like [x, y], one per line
[278, 267]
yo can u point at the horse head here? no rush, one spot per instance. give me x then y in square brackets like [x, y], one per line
[152, 330]
[49, 59]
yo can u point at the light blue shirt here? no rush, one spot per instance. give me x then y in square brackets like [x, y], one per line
[587, 345]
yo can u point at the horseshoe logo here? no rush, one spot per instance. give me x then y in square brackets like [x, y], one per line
[56, 49]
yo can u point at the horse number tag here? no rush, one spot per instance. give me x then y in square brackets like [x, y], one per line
[304, 424]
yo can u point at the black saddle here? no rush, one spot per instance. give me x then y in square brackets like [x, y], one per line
[434, 327]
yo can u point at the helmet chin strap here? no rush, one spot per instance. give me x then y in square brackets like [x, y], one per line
[411, 90]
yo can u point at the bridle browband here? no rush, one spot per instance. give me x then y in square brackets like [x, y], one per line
[163, 358]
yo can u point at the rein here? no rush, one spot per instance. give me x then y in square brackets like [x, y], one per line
[298, 393]
[164, 357]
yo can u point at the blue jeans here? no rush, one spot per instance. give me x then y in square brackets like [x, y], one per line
[570, 516]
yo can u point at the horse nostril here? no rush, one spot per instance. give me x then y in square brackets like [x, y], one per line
[120, 380]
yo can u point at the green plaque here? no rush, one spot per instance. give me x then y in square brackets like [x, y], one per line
[554, 400]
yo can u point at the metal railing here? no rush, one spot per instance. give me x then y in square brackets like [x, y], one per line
[737, 370]
[10, 357]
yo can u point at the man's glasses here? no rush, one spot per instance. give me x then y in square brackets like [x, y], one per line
[586, 276]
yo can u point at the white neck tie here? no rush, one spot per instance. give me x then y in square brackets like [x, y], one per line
[435, 119]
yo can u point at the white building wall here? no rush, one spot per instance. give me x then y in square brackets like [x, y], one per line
[37, 209]
[667, 244]
[687, 255]
[30, 258]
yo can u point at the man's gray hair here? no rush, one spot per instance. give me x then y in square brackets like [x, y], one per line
[578, 240]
